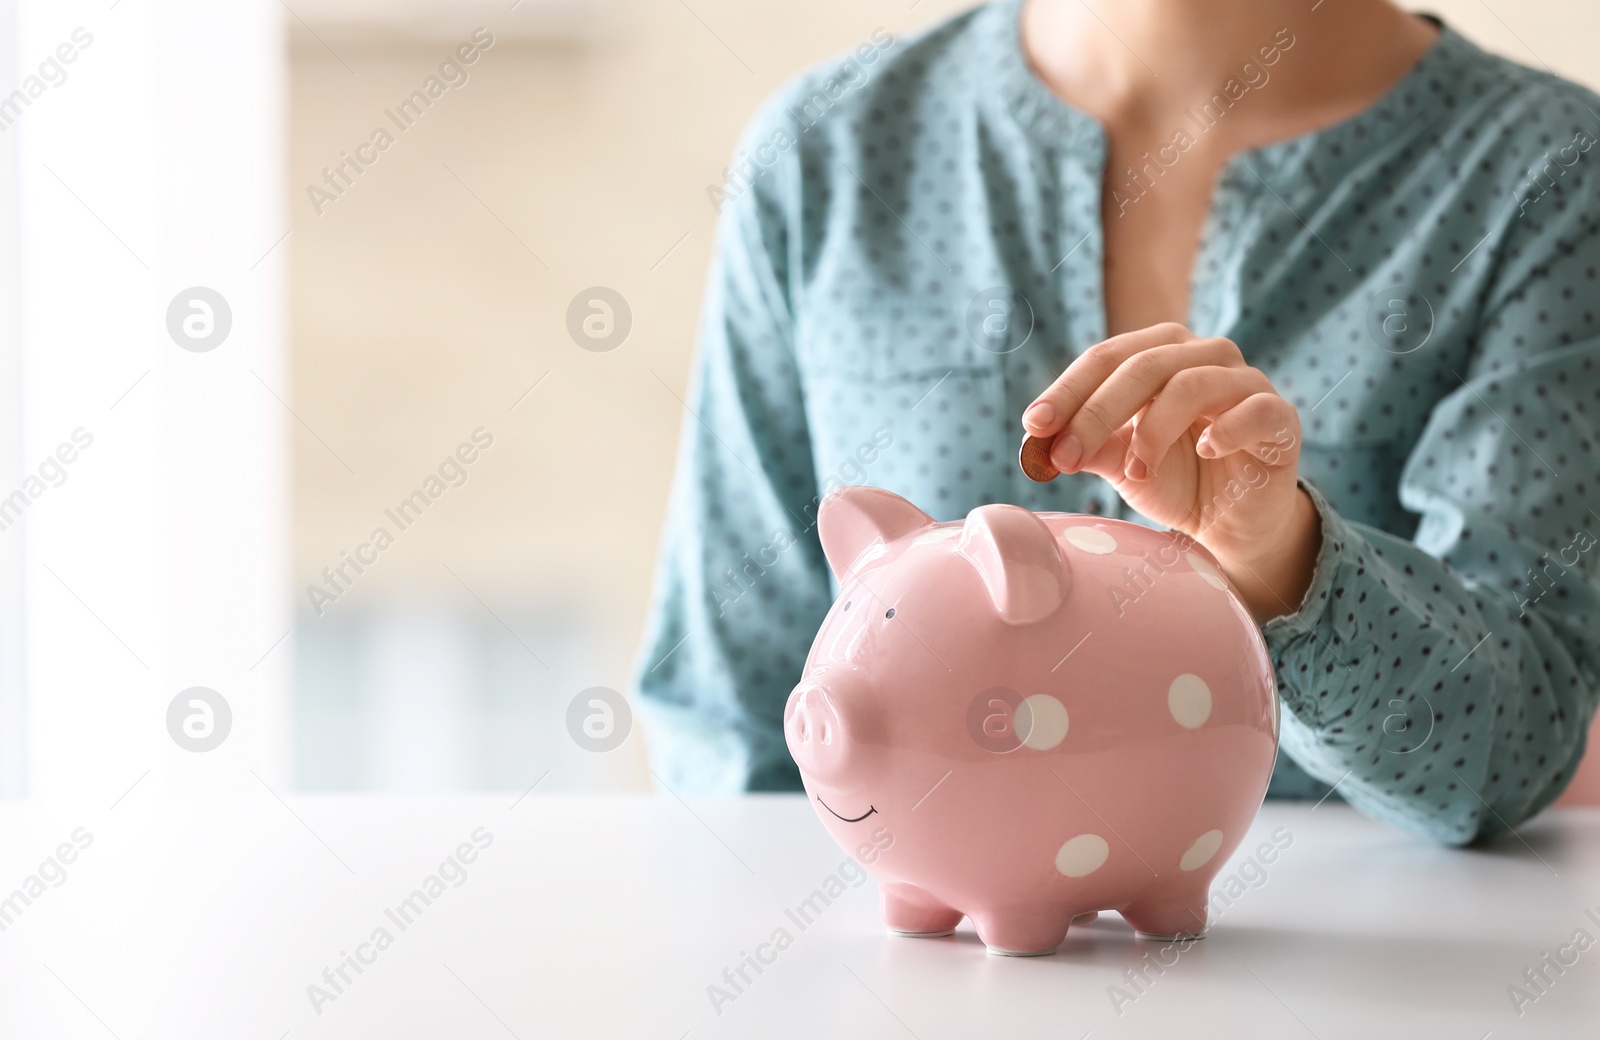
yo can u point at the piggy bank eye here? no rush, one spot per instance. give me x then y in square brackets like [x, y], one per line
[889, 613]
[846, 605]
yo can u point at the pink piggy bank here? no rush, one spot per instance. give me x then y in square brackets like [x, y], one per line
[1048, 714]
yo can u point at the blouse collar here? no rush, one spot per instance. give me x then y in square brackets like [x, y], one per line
[1422, 95]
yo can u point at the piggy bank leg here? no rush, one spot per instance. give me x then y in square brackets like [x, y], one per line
[908, 910]
[1170, 914]
[1030, 931]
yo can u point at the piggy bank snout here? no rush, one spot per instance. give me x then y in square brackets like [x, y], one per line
[818, 732]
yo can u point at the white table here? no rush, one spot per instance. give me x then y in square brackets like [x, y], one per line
[611, 917]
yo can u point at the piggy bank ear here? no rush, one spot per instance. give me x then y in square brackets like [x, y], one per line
[1019, 561]
[853, 519]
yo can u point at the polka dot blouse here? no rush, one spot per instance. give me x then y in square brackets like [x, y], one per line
[910, 250]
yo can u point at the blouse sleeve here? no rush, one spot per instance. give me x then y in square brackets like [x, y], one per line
[741, 583]
[1445, 683]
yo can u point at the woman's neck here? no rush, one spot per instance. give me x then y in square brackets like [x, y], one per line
[1136, 58]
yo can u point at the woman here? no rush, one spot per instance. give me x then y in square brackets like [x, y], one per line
[1336, 247]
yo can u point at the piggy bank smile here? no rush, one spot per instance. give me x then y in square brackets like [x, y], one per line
[847, 819]
[1046, 745]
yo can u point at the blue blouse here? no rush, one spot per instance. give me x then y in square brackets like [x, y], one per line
[910, 250]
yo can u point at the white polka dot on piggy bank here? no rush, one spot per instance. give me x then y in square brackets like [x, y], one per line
[1091, 540]
[1030, 717]
[1200, 853]
[1189, 700]
[1082, 855]
[1209, 574]
[1041, 722]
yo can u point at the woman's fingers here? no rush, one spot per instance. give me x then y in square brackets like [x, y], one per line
[1192, 394]
[1169, 379]
[1134, 383]
[1112, 459]
[1263, 425]
[1051, 410]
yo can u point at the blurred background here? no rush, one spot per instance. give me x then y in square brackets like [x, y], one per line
[432, 298]
[405, 241]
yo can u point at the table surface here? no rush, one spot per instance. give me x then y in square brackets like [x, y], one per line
[604, 917]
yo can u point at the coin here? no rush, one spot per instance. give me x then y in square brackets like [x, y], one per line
[1034, 458]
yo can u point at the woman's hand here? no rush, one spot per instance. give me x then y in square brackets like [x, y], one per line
[1194, 438]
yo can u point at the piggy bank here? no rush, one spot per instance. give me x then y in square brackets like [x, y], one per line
[1031, 717]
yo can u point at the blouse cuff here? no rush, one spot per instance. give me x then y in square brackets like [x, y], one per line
[1315, 604]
